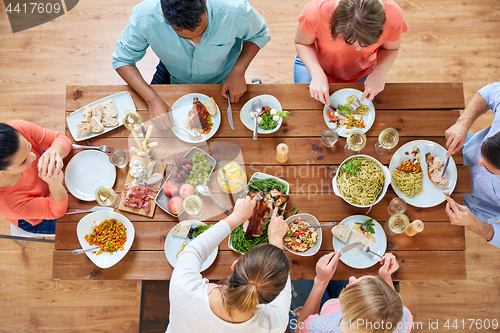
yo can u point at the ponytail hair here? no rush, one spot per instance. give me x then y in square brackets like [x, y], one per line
[9, 145]
[259, 276]
[372, 300]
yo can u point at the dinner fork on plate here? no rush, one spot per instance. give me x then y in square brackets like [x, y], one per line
[196, 136]
[103, 148]
[354, 106]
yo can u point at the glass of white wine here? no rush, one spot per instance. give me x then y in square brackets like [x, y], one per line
[193, 205]
[355, 142]
[397, 224]
[132, 119]
[387, 140]
[105, 196]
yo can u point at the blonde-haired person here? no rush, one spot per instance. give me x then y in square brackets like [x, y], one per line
[347, 41]
[256, 297]
[368, 304]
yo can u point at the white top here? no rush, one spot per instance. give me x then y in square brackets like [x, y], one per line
[189, 306]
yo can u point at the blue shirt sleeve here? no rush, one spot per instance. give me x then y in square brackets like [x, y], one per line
[496, 235]
[491, 95]
[256, 27]
[131, 45]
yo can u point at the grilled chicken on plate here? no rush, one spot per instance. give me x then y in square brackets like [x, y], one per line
[435, 168]
[198, 118]
[254, 226]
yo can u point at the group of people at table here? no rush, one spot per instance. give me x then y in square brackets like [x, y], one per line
[213, 42]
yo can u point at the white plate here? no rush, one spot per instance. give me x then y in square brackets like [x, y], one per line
[308, 218]
[123, 103]
[432, 194]
[261, 175]
[387, 180]
[173, 244]
[356, 258]
[84, 227]
[249, 122]
[180, 111]
[339, 97]
[86, 172]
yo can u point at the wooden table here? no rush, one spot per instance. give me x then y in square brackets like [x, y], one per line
[416, 110]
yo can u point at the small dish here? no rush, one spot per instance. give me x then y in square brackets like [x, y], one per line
[312, 221]
[84, 227]
[249, 122]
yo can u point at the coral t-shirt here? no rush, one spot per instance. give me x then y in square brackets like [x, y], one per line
[339, 60]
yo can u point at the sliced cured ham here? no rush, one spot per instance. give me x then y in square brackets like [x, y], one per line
[136, 196]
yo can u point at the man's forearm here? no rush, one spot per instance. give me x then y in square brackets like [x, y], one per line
[483, 229]
[247, 54]
[308, 56]
[476, 107]
[134, 79]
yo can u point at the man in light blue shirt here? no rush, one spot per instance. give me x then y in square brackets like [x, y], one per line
[197, 41]
[481, 212]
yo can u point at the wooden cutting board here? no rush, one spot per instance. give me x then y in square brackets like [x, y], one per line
[159, 168]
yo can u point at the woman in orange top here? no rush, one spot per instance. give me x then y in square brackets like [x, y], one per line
[31, 192]
[347, 41]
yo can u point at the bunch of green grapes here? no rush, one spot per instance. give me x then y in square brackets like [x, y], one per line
[199, 174]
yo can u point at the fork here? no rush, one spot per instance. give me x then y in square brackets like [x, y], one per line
[354, 106]
[366, 249]
[103, 148]
[445, 188]
[193, 136]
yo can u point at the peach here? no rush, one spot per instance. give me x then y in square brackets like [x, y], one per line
[171, 188]
[175, 205]
[186, 190]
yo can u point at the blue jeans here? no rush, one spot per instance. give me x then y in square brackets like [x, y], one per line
[301, 73]
[162, 76]
[46, 227]
[301, 290]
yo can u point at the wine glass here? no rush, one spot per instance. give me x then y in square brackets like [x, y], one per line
[355, 142]
[132, 119]
[329, 137]
[387, 140]
[397, 224]
[106, 196]
[193, 205]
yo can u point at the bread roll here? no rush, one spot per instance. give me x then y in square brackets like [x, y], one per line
[86, 114]
[82, 129]
[110, 109]
[97, 126]
[211, 106]
[109, 121]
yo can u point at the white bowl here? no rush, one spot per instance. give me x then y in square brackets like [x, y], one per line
[308, 218]
[249, 122]
[387, 180]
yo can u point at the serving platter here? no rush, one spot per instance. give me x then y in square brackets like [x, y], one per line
[432, 195]
[123, 102]
[340, 97]
[356, 258]
[180, 110]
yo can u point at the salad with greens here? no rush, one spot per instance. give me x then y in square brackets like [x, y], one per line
[269, 117]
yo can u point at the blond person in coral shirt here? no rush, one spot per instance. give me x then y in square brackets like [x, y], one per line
[347, 41]
[32, 195]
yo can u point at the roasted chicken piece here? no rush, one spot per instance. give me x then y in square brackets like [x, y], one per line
[254, 227]
[199, 118]
[435, 168]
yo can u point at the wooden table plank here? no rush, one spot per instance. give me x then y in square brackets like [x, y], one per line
[150, 236]
[305, 123]
[152, 265]
[291, 96]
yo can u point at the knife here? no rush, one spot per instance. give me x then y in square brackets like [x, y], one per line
[445, 166]
[349, 247]
[93, 209]
[229, 111]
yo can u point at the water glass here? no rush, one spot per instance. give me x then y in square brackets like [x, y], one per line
[396, 206]
[329, 137]
[118, 158]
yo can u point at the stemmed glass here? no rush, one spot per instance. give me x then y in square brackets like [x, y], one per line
[355, 142]
[387, 140]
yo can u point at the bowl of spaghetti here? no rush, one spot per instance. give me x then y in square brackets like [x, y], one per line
[361, 181]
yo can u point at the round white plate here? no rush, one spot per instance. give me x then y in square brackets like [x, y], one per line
[173, 244]
[249, 122]
[84, 227]
[356, 258]
[432, 195]
[308, 218]
[86, 172]
[340, 97]
[180, 111]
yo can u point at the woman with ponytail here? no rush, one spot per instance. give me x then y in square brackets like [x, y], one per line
[256, 298]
